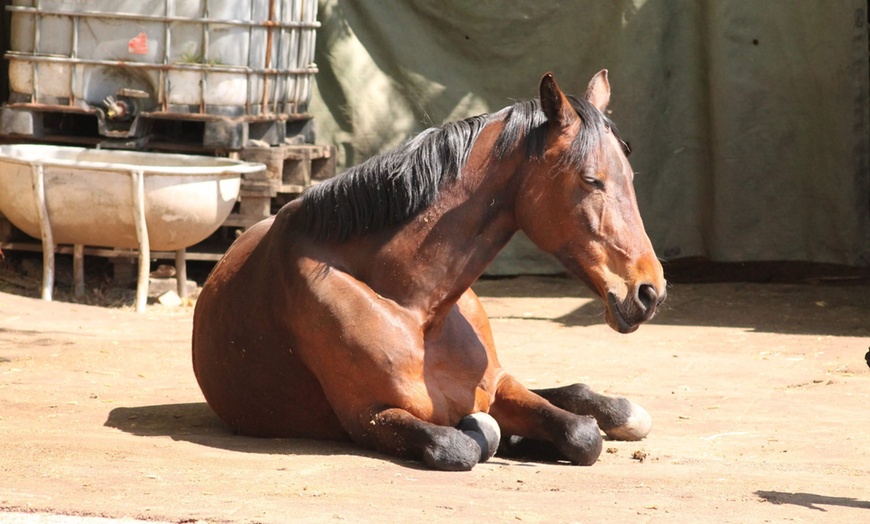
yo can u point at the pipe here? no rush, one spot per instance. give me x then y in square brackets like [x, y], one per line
[143, 17]
[211, 68]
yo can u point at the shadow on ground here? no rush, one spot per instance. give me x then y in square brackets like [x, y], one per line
[196, 422]
[811, 300]
[811, 500]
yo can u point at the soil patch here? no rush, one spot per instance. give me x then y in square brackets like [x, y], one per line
[758, 392]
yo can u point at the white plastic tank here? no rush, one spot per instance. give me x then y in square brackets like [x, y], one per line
[216, 57]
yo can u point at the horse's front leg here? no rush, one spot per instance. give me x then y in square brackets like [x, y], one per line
[619, 418]
[534, 427]
[397, 432]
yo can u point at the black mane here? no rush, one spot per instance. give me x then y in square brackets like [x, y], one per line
[391, 188]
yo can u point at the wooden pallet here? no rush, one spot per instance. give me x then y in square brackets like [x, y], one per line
[182, 132]
[290, 169]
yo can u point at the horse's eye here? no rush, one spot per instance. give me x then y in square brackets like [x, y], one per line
[593, 181]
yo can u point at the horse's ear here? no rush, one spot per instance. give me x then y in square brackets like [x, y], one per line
[598, 90]
[557, 108]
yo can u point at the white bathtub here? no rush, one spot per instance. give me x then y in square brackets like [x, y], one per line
[118, 199]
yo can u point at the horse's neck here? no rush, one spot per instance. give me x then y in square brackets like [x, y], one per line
[430, 262]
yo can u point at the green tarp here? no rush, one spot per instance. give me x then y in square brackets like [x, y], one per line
[748, 119]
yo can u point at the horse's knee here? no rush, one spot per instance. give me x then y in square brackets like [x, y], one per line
[451, 450]
[577, 397]
[582, 442]
[484, 430]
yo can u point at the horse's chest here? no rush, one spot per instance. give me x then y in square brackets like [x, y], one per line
[458, 371]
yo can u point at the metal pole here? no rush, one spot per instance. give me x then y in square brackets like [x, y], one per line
[205, 58]
[74, 53]
[138, 178]
[181, 272]
[268, 58]
[45, 231]
[79, 269]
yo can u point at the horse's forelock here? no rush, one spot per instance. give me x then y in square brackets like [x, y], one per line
[526, 122]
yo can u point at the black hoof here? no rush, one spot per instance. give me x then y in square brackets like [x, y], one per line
[452, 451]
[583, 443]
[580, 443]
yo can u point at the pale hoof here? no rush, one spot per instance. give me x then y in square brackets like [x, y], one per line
[484, 430]
[637, 426]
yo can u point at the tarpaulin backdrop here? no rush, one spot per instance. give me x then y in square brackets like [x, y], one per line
[749, 120]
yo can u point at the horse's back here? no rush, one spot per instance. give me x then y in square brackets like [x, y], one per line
[243, 359]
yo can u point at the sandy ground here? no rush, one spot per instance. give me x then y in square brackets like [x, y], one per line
[759, 395]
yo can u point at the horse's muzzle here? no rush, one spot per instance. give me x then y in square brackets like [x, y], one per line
[626, 315]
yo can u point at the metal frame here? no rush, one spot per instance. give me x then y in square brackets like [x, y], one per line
[301, 33]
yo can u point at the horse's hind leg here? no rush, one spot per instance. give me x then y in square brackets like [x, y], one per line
[619, 418]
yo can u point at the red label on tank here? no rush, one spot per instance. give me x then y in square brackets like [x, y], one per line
[138, 45]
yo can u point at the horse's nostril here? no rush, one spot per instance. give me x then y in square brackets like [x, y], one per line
[647, 296]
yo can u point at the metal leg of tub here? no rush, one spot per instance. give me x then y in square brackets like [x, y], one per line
[181, 272]
[45, 232]
[79, 269]
[142, 235]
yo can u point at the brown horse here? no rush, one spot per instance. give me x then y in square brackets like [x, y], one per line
[349, 315]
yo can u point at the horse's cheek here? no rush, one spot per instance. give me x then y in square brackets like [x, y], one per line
[589, 215]
[542, 213]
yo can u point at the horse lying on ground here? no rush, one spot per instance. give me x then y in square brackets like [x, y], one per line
[349, 315]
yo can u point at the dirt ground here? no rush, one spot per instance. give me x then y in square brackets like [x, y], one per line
[759, 395]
